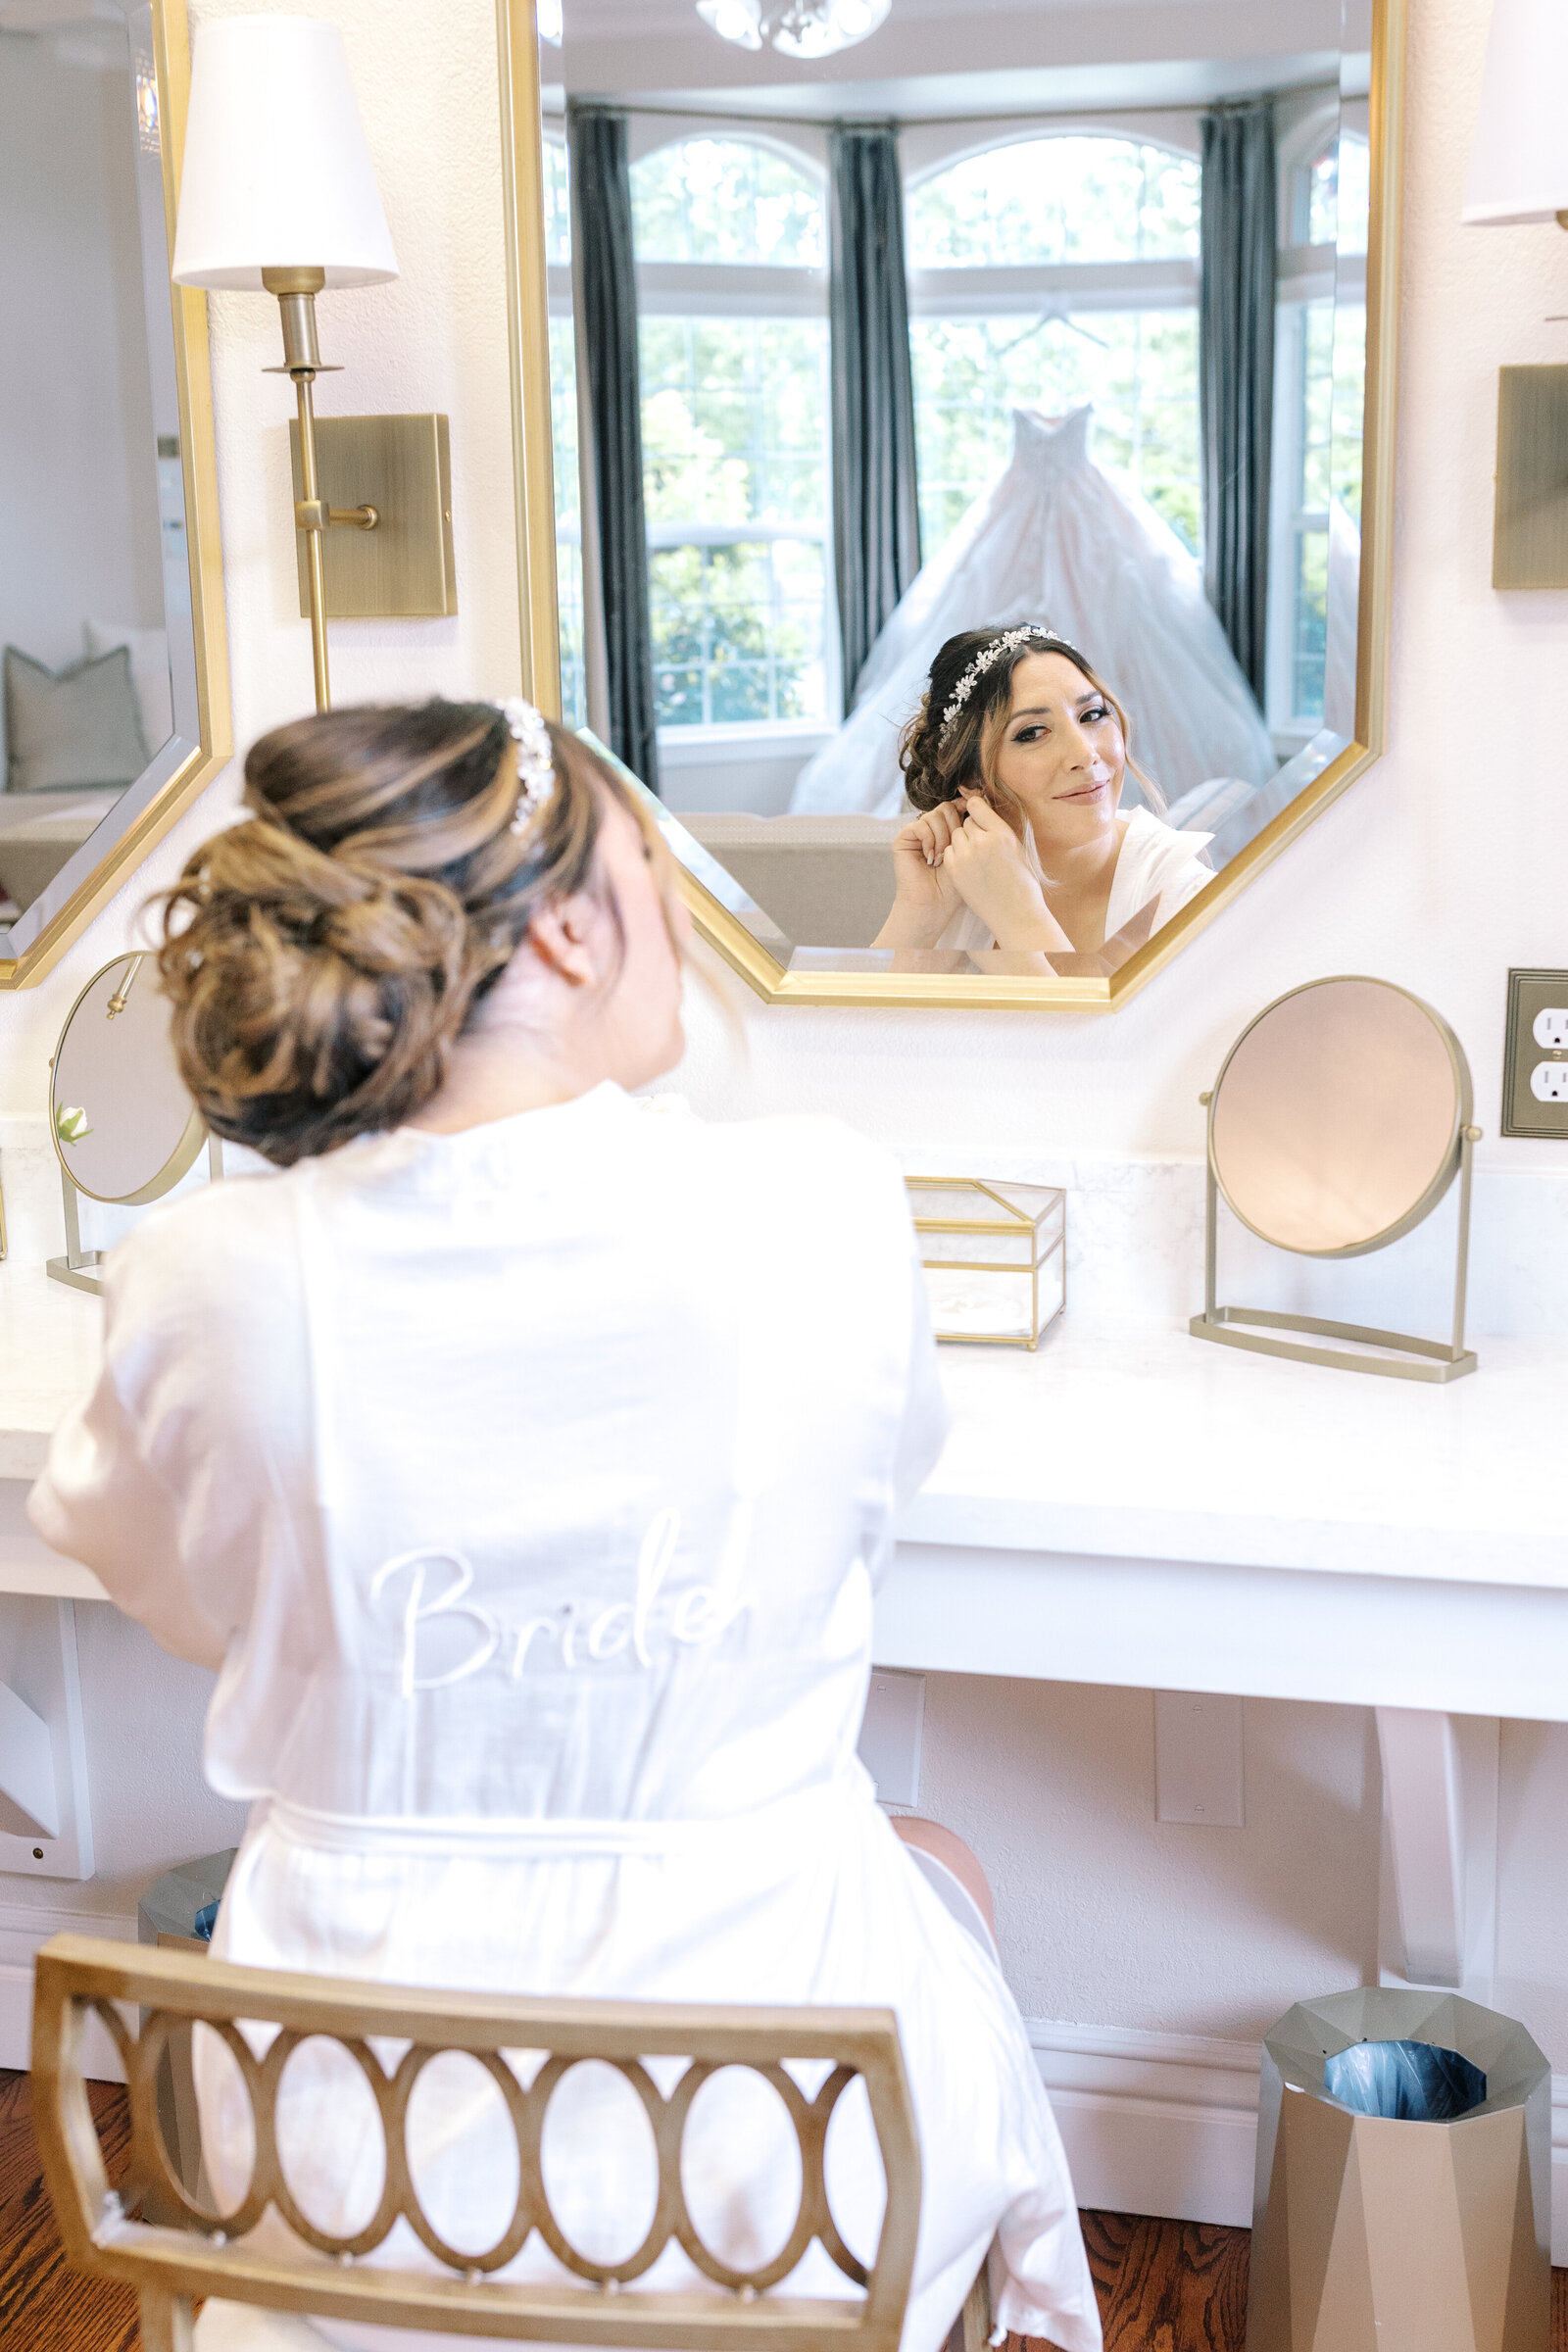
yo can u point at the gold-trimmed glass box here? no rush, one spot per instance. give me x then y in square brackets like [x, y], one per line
[994, 1257]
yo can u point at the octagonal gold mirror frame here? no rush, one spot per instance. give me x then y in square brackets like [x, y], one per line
[716, 899]
[201, 741]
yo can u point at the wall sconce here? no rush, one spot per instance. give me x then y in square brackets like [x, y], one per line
[1519, 172]
[278, 196]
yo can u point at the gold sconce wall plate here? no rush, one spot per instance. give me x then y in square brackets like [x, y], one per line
[403, 568]
[1530, 530]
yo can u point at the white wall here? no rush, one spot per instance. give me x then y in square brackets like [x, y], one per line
[1439, 870]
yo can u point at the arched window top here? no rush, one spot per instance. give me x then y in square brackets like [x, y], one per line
[1339, 192]
[726, 199]
[1065, 197]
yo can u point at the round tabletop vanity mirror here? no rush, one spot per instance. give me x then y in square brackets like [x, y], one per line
[124, 1127]
[1336, 1119]
[1340, 1119]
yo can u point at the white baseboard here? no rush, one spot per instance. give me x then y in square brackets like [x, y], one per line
[1153, 2122]
[1166, 2124]
[22, 1931]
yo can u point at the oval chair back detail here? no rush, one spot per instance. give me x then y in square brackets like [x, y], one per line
[207, 2254]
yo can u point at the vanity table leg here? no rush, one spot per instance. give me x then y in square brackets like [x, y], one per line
[1437, 1899]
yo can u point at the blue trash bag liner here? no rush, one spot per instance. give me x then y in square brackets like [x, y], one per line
[206, 1920]
[1416, 2082]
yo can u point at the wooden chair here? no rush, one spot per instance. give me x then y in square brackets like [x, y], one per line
[205, 2253]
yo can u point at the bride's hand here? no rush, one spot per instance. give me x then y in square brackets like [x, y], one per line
[925, 895]
[986, 862]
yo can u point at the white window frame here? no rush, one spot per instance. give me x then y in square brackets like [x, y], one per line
[720, 290]
[1048, 289]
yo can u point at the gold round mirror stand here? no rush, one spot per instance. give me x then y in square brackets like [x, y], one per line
[149, 1133]
[1340, 1119]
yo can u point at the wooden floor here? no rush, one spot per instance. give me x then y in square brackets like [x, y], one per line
[1165, 2287]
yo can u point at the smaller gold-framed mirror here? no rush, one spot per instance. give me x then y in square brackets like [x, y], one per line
[125, 1130]
[114, 700]
[1340, 1119]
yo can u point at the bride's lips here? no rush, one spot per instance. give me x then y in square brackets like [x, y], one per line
[1090, 792]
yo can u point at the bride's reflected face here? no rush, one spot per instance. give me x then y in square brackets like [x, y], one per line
[1061, 751]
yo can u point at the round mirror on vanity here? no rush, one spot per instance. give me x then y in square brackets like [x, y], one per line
[124, 1127]
[1340, 1119]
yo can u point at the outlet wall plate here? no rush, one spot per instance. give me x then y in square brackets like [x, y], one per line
[1535, 1058]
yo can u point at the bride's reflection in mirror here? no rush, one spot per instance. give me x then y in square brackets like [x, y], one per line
[1017, 764]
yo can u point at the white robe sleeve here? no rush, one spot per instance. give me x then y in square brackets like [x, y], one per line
[133, 1488]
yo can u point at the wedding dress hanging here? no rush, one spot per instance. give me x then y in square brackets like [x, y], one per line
[1055, 540]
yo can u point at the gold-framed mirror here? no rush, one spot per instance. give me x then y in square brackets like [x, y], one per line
[1139, 270]
[114, 703]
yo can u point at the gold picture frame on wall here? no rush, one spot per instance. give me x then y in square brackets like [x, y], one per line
[35, 939]
[721, 925]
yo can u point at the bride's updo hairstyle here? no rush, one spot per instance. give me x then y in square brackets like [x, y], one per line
[950, 747]
[322, 958]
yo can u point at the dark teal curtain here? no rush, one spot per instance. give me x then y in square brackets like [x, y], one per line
[876, 514]
[607, 291]
[1236, 371]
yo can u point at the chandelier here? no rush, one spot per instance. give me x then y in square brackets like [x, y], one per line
[799, 28]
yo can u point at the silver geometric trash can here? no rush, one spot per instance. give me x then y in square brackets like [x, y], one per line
[1403, 2189]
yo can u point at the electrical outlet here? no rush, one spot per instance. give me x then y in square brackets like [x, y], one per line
[1535, 1063]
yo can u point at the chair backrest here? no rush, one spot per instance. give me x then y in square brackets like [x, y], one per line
[207, 2253]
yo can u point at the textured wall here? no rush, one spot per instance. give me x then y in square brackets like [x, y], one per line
[1445, 866]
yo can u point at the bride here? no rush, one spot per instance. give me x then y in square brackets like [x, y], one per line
[524, 1461]
[1016, 761]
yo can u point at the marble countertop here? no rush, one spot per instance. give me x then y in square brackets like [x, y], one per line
[1139, 1443]
[1155, 1445]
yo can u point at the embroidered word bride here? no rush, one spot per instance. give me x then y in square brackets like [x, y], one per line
[409, 1590]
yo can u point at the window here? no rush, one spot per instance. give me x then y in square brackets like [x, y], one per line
[1046, 272]
[1320, 388]
[732, 291]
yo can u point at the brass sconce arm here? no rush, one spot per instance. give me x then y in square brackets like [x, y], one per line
[296, 291]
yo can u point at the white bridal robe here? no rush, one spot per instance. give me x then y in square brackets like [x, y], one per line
[1154, 862]
[527, 1489]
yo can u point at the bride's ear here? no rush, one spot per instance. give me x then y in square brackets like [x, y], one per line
[563, 935]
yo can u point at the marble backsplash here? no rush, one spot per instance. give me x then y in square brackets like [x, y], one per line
[1135, 1242]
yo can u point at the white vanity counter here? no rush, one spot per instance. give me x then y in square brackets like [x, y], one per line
[1150, 1510]
[1138, 1508]
[1157, 1443]
[49, 1347]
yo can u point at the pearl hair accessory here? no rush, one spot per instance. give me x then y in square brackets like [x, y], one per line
[536, 760]
[982, 663]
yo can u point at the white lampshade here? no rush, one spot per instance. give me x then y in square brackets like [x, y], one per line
[1519, 165]
[278, 174]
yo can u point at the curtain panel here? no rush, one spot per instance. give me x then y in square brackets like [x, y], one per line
[876, 516]
[607, 291]
[1236, 371]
